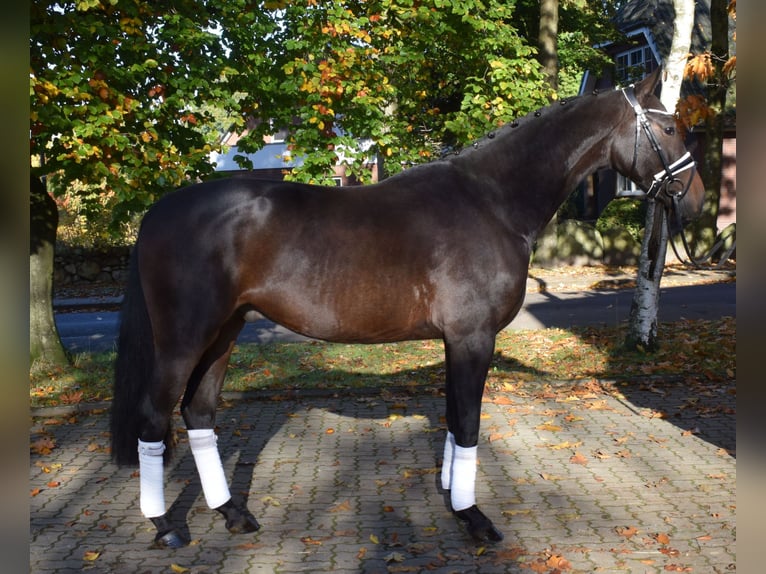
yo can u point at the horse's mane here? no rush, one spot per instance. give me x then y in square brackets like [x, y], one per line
[514, 127]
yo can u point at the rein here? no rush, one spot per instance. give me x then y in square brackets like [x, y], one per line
[662, 181]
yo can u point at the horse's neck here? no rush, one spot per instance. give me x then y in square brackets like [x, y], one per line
[545, 157]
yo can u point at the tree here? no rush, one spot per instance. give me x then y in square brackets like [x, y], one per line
[114, 96]
[123, 94]
[413, 78]
[549, 27]
[642, 329]
[44, 343]
[642, 322]
[715, 71]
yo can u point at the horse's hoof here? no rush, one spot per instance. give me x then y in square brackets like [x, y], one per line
[238, 520]
[478, 525]
[167, 536]
[170, 539]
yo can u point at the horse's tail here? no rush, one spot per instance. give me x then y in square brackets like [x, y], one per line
[133, 370]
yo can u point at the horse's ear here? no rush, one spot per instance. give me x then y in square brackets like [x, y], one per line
[649, 83]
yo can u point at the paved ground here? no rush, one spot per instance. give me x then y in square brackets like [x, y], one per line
[585, 478]
[579, 480]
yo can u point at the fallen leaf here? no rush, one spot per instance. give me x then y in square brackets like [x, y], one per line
[564, 445]
[35, 492]
[91, 555]
[548, 426]
[71, 398]
[344, 506]
[394, 557]
[43, 445]
[53, 484]
[578, 458]
[362, 553]
[311, 541]
[558, 562]
[515, 512]
[374, 539]
[178, 569]
[626, 531]
[662, 538]
[551, 477]
[669, 551]
[677, 568]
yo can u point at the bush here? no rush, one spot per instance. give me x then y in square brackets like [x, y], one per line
[625, 212]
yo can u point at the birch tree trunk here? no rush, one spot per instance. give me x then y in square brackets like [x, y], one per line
[642, 325]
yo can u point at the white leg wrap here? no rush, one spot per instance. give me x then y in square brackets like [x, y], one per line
[463, 491]
[152, 484]
[203, 443]
[449, 450]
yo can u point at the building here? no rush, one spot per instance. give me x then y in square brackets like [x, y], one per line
[275, 159]
[647, 28]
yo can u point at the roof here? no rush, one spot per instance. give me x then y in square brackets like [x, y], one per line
[658, 17]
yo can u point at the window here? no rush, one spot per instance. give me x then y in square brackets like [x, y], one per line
[627, 187]
[632, 66]
[635, 64]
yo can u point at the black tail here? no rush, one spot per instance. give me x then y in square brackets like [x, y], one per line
[133, 370]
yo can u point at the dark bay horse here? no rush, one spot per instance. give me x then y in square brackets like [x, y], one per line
[439, 251]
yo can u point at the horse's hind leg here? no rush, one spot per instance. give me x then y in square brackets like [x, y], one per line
[468, 359]
[199, 409]
[157, 410]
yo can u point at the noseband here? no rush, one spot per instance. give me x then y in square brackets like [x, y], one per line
[662, 180]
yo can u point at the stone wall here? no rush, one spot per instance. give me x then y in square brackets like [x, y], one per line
[103, 265]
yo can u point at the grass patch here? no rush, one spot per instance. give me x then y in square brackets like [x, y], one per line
[690, 350]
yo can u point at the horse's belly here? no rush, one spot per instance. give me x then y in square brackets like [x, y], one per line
[352, 319]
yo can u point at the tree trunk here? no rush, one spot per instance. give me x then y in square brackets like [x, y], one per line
[549, 26]
[642, 326]
[546, 248]
[705, 229]
[44, 342]
[679, 53]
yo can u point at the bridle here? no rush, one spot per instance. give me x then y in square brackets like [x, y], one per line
[662, 180]
[661, 190]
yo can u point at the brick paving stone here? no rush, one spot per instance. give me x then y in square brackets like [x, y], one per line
[340, 485]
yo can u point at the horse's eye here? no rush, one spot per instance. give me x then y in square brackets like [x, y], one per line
[670, 131]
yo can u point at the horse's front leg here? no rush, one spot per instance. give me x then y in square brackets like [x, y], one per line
[468, 361]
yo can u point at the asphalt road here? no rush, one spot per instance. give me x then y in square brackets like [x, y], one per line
[95, 331]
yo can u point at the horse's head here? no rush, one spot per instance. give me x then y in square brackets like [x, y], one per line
[649, 149]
